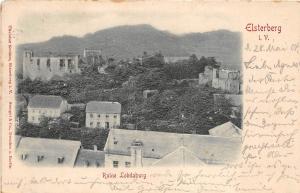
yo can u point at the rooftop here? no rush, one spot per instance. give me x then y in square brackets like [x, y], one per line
[90, 158]
[103, 107]
[45, 101]
[49, 149]
[209, 149]
[226, 130]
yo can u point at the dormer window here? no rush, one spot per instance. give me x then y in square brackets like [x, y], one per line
[115, 141]
[39, 158]
[60, 160]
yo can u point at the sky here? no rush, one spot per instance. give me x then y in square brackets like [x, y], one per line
[40, 23]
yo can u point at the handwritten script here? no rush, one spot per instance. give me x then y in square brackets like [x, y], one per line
[268, 159]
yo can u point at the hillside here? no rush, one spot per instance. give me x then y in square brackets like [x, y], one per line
[130, 41]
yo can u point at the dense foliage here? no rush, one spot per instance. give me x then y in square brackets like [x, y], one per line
[178, 107]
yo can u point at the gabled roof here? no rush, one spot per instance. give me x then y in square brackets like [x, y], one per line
[50, 149]
[209, 149]
[90, 158]
[180, 157]
[103, 107]
[45, 101]
[226, 130]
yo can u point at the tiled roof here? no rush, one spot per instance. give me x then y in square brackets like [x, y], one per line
[45, 101]
[90, 158]
[103, 107]
[209, 149]
[226, 130]
[50, 149]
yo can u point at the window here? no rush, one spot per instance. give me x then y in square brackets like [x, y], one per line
[69, 63]
[217, 73]
[127, 164]
[61, 63]
[106, 125]
[91, 123]
[24, 156]
[97, 164]
[115, 141]
[107, 116]
[91, 115]
[99, 115]
[60, 160]
[48, 63]
[38, 63]
[40, 158]
[32, 118]
[115, 116]
[115, 164]
[98, 124]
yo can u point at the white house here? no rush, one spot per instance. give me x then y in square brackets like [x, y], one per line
[47, 152]
[103, 114]
[45, 105]
[134, 148]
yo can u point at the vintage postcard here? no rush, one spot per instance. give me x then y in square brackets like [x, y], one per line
[150, 97]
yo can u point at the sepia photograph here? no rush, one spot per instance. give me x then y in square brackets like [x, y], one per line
[149, 97]
[130, 96]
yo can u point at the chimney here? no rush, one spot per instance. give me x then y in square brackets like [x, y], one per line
[136, 151]
[95, 147]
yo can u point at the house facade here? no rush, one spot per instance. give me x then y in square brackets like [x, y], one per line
[226, 80]
[103, 114]
[48, 65]
[135, 148]
[47, 106]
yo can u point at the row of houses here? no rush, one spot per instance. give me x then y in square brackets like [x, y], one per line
[99, 114]
[134, 148]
